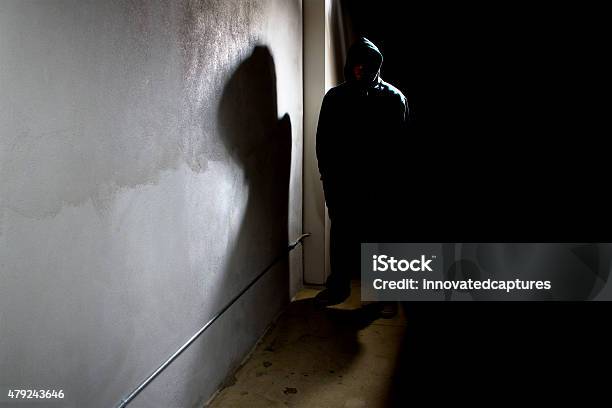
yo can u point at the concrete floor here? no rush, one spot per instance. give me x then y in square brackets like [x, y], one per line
[343, 356]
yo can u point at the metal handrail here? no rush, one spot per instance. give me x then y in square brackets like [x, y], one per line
[125, 401]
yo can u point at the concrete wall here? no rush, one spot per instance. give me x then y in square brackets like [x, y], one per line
[315, 248]
[325, 44]
[150, 166]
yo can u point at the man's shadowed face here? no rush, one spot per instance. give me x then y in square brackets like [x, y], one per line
[358, 71]
[364, 71]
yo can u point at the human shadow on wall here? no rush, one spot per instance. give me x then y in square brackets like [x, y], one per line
[260, 144]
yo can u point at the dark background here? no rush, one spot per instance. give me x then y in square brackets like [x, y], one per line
[507, 107]
[507, 135]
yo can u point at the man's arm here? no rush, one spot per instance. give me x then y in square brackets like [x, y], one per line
[322, 137]
[324, 145]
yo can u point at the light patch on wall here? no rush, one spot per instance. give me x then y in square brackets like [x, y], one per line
[110, 94]
[205, 26]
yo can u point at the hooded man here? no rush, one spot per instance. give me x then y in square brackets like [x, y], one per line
[360, 123]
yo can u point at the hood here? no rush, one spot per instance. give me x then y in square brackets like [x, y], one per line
[365, 52]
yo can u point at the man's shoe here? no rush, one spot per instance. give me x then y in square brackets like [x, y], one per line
[329, 297]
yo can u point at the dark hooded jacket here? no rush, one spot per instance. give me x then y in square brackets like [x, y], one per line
[357, 134]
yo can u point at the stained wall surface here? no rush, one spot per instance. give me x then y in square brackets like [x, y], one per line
[150, 167]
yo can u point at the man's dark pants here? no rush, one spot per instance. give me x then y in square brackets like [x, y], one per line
[347, 229]
[355, 218]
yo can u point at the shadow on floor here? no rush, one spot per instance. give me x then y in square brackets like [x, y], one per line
[442, 352]
[313, 357]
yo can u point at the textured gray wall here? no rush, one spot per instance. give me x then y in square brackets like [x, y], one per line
[150, 166]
